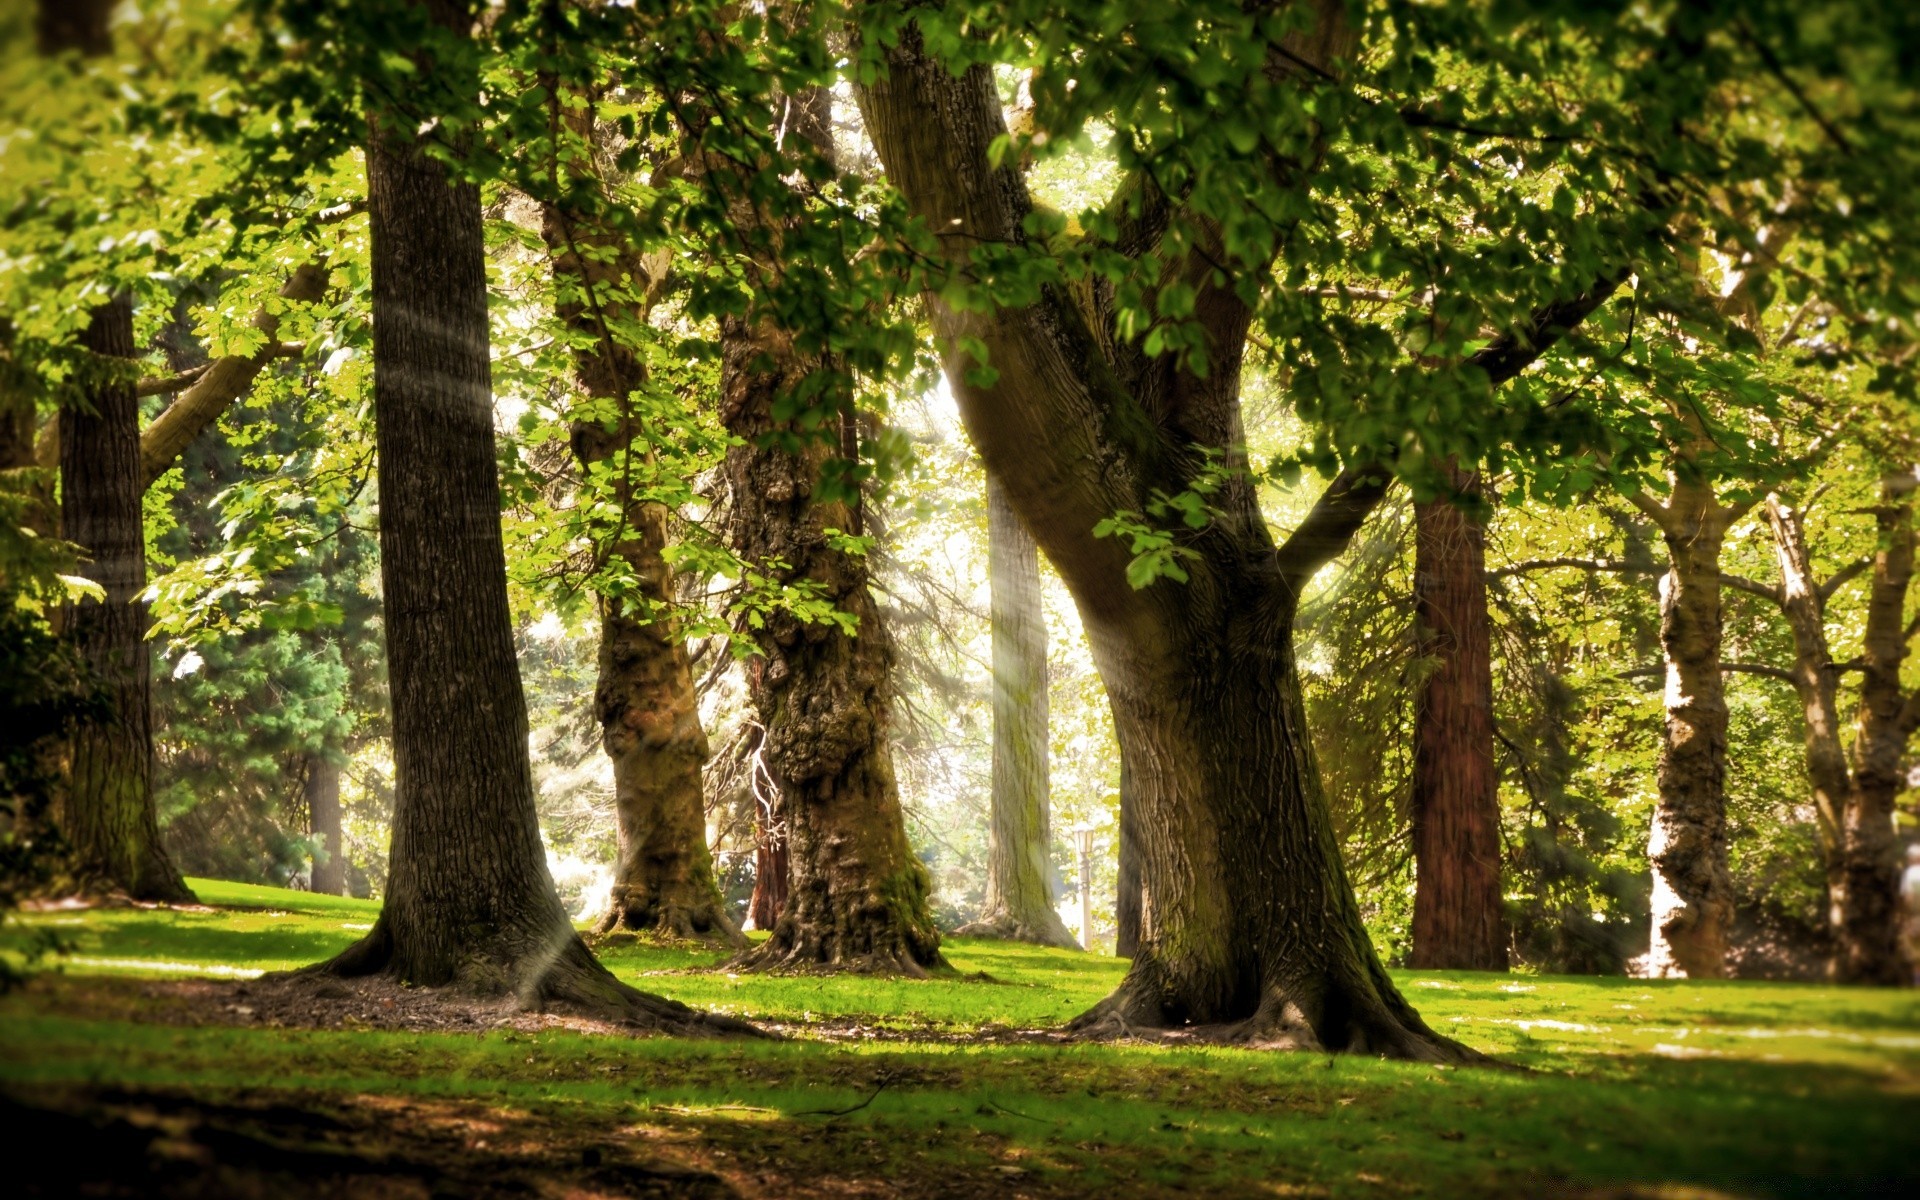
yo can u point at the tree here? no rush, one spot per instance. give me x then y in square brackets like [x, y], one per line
[469, 901]
[1458, 918]
[106, 809]
[1020, 900]
[1249, 924]
[322, 787]
[1854, 790]
[649, 714]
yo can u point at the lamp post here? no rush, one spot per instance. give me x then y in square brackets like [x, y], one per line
[1083, 837]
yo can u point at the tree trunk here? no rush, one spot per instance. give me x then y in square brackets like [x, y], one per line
[772, 870]
[470, 903]
[858, 896]
[323, 822]
[106, 812]
[1020, 900]
[663, 882]
[1459, 919]
[1127, 900]
[1865, 901]
[1803, 602]
[1692, 891]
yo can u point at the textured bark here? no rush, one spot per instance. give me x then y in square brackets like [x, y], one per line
[470, 904]
[1866, 877]
[1020, 900]
[772, 876]
[1128, 898]
[1692, 890]
[858, 896]
[106, 811]
[664, 882]
[323, 822]
[1459, 921]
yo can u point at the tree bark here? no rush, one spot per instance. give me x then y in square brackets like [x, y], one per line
[323, 822]
[1127, 901]
[1249, 927]
[857, 896]
[1459, 919]
[106, 811]
[1865, 899]
[470, 904]
[1692, 890]
[664, 882]
[1020, 900]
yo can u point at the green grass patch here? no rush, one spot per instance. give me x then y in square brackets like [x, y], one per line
[1763, 1089]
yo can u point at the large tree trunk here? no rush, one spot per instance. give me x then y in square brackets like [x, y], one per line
[1020, 900]
[470, 904]
[1459, 921]
[663, 882]
[1865, 896]
[857, 896]
[1127, 900]
[1249, 927]
[1692, 890]
[323, 822]
[106, 811]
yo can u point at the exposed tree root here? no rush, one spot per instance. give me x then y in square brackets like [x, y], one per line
[1008, 928]
[564, 979]
[879, 950]
[652, 920]
[1377, 1025]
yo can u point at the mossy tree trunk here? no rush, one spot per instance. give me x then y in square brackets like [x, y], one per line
[1020, 899]
[649, 712]
[1459, 918]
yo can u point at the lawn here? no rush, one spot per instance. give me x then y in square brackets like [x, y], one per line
[1631, 1087]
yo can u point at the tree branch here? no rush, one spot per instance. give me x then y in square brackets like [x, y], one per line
[1844, 576]
[1729, 667]
[1327, 530]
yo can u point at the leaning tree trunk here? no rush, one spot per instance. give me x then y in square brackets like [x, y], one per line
[323, 821]
[663, 880]
[1020, 900]
[1692, 890]
[1459, 922]
[1865, 903]
[857, 896]
[470, 904]
[106, 811]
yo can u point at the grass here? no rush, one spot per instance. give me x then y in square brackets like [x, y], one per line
[1742, 1088]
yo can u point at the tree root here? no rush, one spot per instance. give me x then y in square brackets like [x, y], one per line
[670, 923]
[794, 951]
[502, 979]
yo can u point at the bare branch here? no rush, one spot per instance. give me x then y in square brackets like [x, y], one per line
[1844, 576]
[1327, 530]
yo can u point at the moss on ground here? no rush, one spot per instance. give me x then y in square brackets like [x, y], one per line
[1739, 1088]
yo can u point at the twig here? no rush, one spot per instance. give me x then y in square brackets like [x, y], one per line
[835, 1113]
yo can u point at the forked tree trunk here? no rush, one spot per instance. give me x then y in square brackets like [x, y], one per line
[664, 882]
[1459, 921]
[857, 896]
[1692, 890]
[470, 904]
[323, 822]
[106, 811]
[1865, 897]
[1249, 927]
[1020, 900]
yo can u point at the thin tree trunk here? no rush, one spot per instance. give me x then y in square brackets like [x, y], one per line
[323, 822]
[1692, 890]
[106, 811]
[1459, 921]
[664, 881]
[1865, 903]
[1804, 605]
[1020, 900]
[470, 903]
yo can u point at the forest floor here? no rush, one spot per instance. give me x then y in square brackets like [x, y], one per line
[139, 1065]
